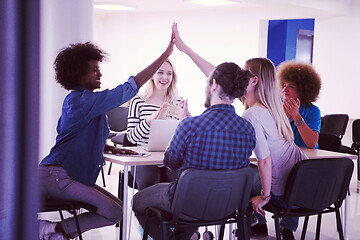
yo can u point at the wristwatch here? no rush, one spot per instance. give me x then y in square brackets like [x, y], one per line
[299, 122]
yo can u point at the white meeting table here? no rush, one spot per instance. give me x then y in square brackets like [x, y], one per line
[156, 158]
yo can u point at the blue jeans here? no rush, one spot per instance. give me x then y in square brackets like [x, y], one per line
[56, 183]
[288, 222]
[157, 196]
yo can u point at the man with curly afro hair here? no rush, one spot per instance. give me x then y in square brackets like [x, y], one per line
[70, 170]
[301, 86]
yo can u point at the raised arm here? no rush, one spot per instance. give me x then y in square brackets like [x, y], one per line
[148, 72]
[203, 64]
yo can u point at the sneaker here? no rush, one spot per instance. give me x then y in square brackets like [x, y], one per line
[46, 228]
[57, 236]
[259, 230]
[287, 234]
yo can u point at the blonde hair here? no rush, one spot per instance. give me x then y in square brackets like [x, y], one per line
[172, 92]
[268, 93]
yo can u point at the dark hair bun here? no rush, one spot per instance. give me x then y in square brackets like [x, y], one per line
[232, 79]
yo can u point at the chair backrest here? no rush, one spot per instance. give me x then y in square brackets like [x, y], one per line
[315, 184]
[356, 133]
[329, 142]
[118, 118]
[334, 124]
[210, 195]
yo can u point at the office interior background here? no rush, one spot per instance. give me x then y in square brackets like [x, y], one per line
[33, 33]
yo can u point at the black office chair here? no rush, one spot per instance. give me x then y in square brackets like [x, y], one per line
[329, 142]
[355, 146]
[117, 120]
[356, 143]
[334, 124]
[315, 187]
[53, 205]
[208, 197]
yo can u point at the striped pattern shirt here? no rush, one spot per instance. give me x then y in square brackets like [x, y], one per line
[217, 139]
[138, 129]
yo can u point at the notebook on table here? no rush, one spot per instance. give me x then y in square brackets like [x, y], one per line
[161, 133]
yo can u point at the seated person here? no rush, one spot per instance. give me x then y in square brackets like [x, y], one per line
[70, 170]
[275, 149]
[217, 139]
[160, 100]
[301, 86]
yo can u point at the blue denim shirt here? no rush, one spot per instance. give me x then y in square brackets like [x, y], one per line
[83, 129]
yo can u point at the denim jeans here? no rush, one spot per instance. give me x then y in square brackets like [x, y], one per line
[288, 222]
[56, 183]
[157, 196]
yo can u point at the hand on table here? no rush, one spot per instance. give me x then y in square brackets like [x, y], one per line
[117, 150]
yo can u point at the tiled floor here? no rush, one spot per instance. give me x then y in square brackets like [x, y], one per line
[328, 227]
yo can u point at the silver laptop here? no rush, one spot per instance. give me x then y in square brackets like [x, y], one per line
[161, 133]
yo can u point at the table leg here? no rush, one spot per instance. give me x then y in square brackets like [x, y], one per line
[125, 202]
[345, 216]
[121, 197]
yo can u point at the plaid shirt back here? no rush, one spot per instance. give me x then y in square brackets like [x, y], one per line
[217, 139]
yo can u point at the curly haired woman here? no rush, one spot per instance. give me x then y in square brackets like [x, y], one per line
[70, 170]
[301, 86]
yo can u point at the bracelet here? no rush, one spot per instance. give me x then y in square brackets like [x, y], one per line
[263, 197]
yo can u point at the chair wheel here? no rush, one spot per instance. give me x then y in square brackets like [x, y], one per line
[195, 236]
[207, 235]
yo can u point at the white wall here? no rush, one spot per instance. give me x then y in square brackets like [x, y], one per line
[62, 22]
[336, 57]
[134, 40]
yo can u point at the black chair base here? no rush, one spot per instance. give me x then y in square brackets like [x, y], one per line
[243, 224]
[51, 205]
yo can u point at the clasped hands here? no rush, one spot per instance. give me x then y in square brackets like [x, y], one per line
[291, 107]
[181, 109]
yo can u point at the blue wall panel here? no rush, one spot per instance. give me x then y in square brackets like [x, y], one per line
[282, 36]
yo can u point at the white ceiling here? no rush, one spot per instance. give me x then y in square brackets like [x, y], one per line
[274, 8]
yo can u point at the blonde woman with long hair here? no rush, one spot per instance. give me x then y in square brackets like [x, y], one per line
[275, 149]
[160, 100]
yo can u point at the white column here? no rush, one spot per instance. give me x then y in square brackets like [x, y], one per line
[61, 22]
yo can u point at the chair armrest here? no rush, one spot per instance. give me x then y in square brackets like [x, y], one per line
[158, 213]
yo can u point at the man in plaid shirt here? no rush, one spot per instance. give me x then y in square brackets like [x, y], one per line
[217, 139]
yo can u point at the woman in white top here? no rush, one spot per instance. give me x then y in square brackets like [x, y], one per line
[160, 100]
[275, 149]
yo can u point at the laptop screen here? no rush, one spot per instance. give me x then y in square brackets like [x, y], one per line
[161, 133]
